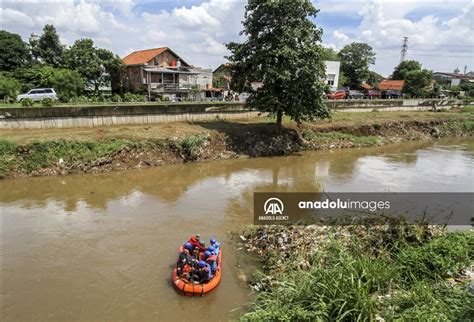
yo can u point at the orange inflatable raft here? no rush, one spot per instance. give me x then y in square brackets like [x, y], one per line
[189, 288]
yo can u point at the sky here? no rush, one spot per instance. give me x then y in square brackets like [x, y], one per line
[440, 32]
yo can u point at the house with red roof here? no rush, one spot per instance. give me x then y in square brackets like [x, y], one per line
[394, 85]
[162, 72]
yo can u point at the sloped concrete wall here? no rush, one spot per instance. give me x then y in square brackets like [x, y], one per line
[93, 116]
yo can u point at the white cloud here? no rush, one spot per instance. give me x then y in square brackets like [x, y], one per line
[198, 32]
[384, 24]
[14, 17]
[340, 36]
[195, 17]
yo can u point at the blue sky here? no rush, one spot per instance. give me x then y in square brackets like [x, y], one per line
[440, 31]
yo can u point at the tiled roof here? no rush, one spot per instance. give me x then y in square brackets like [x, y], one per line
[396, 85]
[143, 56]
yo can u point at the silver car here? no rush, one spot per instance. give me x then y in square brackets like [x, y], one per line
[37, 94]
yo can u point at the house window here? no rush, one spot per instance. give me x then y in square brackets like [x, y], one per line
[330, 79]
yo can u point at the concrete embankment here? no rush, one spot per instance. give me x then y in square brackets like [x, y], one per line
[95, 116]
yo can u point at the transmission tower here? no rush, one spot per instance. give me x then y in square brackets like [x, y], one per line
[404, 50]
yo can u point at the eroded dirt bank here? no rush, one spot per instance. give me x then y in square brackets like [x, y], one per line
[214, 140]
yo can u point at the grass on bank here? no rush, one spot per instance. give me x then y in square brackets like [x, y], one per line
[38, 155]
[357, 279]
[181, 129]
[43, 154]
[325, 138]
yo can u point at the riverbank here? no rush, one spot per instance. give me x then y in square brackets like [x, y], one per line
[43, 152]
[361, 272]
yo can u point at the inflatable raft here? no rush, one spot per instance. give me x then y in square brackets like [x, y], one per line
[189, 288]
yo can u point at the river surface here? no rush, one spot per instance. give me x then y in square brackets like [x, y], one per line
[101, 247]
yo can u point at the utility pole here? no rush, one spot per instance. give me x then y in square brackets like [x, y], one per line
[404, 50]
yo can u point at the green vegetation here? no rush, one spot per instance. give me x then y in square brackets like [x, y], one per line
[27, 102]
[357, 273]
[190, 146]
[9, 88]
[324, 138]
[32, 157]
[45, 62]
[47, 102]
[37, 155]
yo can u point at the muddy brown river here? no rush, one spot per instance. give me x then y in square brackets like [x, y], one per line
[101, 247]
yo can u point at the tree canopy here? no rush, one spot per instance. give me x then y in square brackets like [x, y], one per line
[403, 68]
[282, 52]
[14, 52]
[95, 65]
[417, 82]
[355, 61]
[49, 49]
[329, 54]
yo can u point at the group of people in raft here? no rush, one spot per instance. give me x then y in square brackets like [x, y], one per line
[196, 262]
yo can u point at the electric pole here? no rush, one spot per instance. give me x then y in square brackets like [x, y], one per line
[404, 50]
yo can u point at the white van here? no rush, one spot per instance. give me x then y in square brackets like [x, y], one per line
[37, 94]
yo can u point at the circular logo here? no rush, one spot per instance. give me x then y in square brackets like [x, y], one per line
[273, 206]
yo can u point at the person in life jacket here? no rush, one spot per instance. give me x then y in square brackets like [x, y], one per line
[211, 259]
[214, 243]
[185, 261]
[195, 241]
[205, 273]
[212, 249]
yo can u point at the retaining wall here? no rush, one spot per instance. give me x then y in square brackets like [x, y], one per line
[93, 116]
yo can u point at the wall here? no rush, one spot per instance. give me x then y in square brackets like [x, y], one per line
[92, 116]
[332, 67]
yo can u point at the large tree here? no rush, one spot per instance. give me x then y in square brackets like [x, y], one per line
[355, 61]
[49, 48]
[417, 82]
[14, 52]
[282, 52]
[329, 54]
[95, 65]
[404, 68]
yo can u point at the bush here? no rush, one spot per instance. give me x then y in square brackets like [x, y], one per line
[115, 98]
[47, 102]
[67, 83]
[190, 147]
[9, 87]
[131, 97]
[27, 102]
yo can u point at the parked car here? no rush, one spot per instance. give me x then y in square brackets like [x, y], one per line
[391, 94]
[37, 94]
[371, 94]
[354, 94]
[337, 95]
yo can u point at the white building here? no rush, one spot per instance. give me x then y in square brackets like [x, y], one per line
[332, 73]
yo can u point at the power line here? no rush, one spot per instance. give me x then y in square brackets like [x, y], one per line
[444, 51]
[441, 56]
[443, 45]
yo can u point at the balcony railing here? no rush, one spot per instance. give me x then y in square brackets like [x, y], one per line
[172, 87]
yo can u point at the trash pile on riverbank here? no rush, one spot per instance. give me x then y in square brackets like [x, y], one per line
[354, 272]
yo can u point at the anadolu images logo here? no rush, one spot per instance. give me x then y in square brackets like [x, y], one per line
[273, 206]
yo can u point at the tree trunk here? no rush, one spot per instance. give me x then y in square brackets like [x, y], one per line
[279, 117]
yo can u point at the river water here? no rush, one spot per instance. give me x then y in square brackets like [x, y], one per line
[101, 247]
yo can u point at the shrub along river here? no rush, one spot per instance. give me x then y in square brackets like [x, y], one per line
[100, 247]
